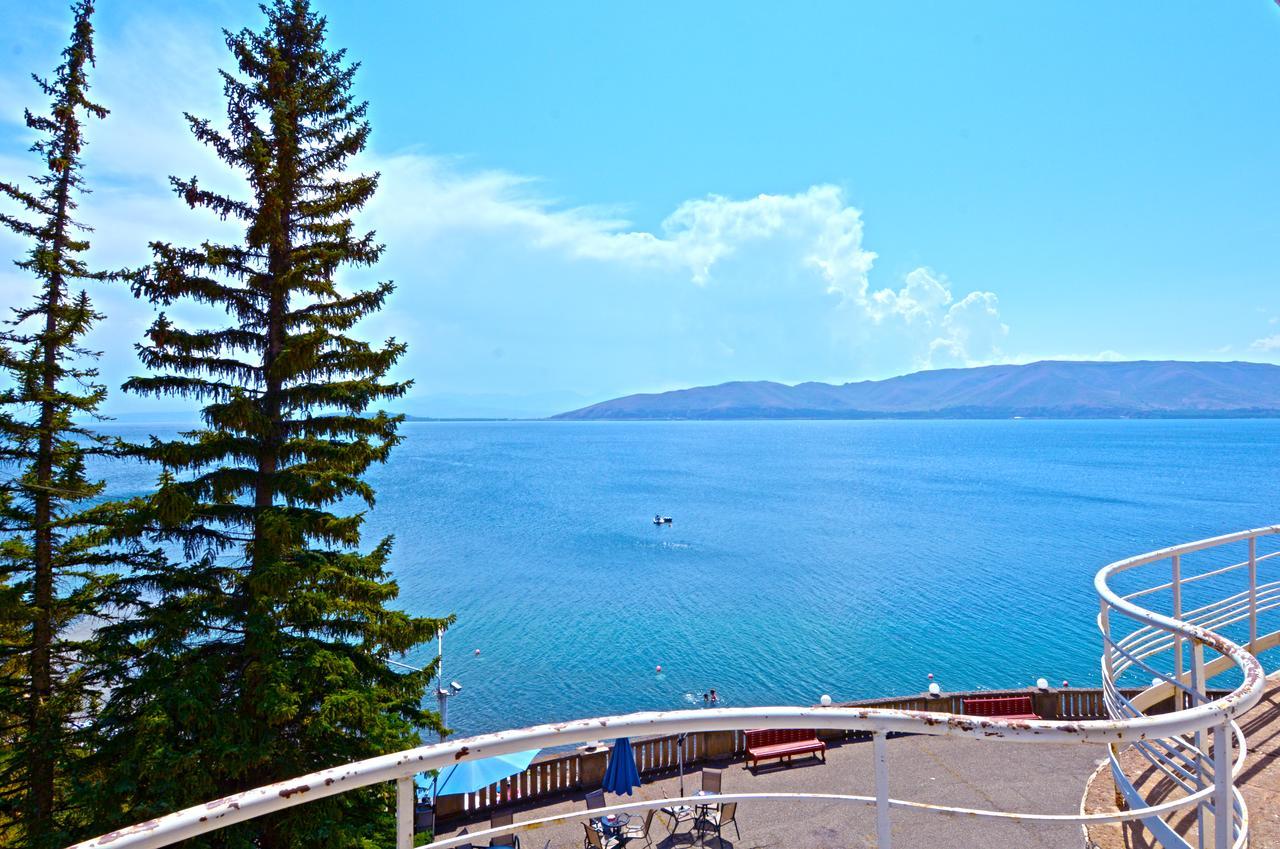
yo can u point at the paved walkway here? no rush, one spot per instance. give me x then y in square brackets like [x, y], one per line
[938, 770]
[1260, 784]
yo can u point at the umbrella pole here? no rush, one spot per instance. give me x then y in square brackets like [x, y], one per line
[680, 746]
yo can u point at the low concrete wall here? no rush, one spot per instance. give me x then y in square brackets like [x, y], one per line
[558, 775]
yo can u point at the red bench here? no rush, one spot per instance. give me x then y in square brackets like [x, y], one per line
[766, 743]
[1001, 707]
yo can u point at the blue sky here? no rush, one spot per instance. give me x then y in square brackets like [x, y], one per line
[582, 200]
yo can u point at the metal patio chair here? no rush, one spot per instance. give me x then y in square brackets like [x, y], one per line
[720, 816]
[505, 841]
[635, 831]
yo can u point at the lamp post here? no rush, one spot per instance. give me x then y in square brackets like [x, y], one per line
[442, 697]
[443, 693]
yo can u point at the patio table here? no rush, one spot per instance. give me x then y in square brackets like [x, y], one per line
[612, 825]
[700, 811]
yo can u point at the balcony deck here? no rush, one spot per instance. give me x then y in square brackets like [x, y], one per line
[941, 770]
[954, 781]
[1260, 784]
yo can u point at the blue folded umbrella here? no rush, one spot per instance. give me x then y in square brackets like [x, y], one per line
[469, 776]
[621, 775]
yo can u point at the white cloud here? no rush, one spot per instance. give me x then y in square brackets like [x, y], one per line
[702, 232]
[435, 197]
[955, 333]
[1267, 343]
[972, 331]
[921, 299]
[808, 243]
[775, 285]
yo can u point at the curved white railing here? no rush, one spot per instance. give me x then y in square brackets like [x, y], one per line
[1172, 740]
[1171, 649]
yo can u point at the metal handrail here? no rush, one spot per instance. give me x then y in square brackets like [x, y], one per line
[1145, 642]
[1204, 714]
[1199, 577]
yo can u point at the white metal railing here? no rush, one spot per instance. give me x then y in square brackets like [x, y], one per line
[1158, 645]
[1173, 741]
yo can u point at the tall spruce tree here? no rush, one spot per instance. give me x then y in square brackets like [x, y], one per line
[263, 653]
[54, 533]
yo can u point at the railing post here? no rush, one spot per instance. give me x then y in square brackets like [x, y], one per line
[1223, 804]
[404, 812]
[1108, 668]
[1198, 685]
[1253, 595]
[1177, 640]
[883, 827]
[1104, 625]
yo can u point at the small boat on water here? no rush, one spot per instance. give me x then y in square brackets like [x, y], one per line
[659, 519]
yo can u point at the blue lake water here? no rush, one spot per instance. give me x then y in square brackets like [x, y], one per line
[849, 558]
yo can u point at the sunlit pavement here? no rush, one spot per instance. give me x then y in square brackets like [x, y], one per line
[938, 770]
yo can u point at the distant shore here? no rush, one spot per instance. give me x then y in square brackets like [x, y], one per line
[1049, 389]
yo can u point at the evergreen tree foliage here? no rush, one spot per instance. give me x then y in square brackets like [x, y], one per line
[263, 653]
[55, 536]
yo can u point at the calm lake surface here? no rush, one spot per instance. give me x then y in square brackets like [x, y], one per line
[849, 558]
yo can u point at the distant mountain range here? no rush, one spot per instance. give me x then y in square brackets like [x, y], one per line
[1049, 389]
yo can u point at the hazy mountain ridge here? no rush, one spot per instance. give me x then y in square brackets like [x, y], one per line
[1051, 389]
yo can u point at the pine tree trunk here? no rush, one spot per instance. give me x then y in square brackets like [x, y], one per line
[44, 724]
[258, 642]
[266, 550]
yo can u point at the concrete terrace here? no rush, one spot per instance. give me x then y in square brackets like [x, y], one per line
[940, 770]
[960, 772]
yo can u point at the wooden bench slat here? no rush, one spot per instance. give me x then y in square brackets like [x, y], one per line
[1001, 707]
